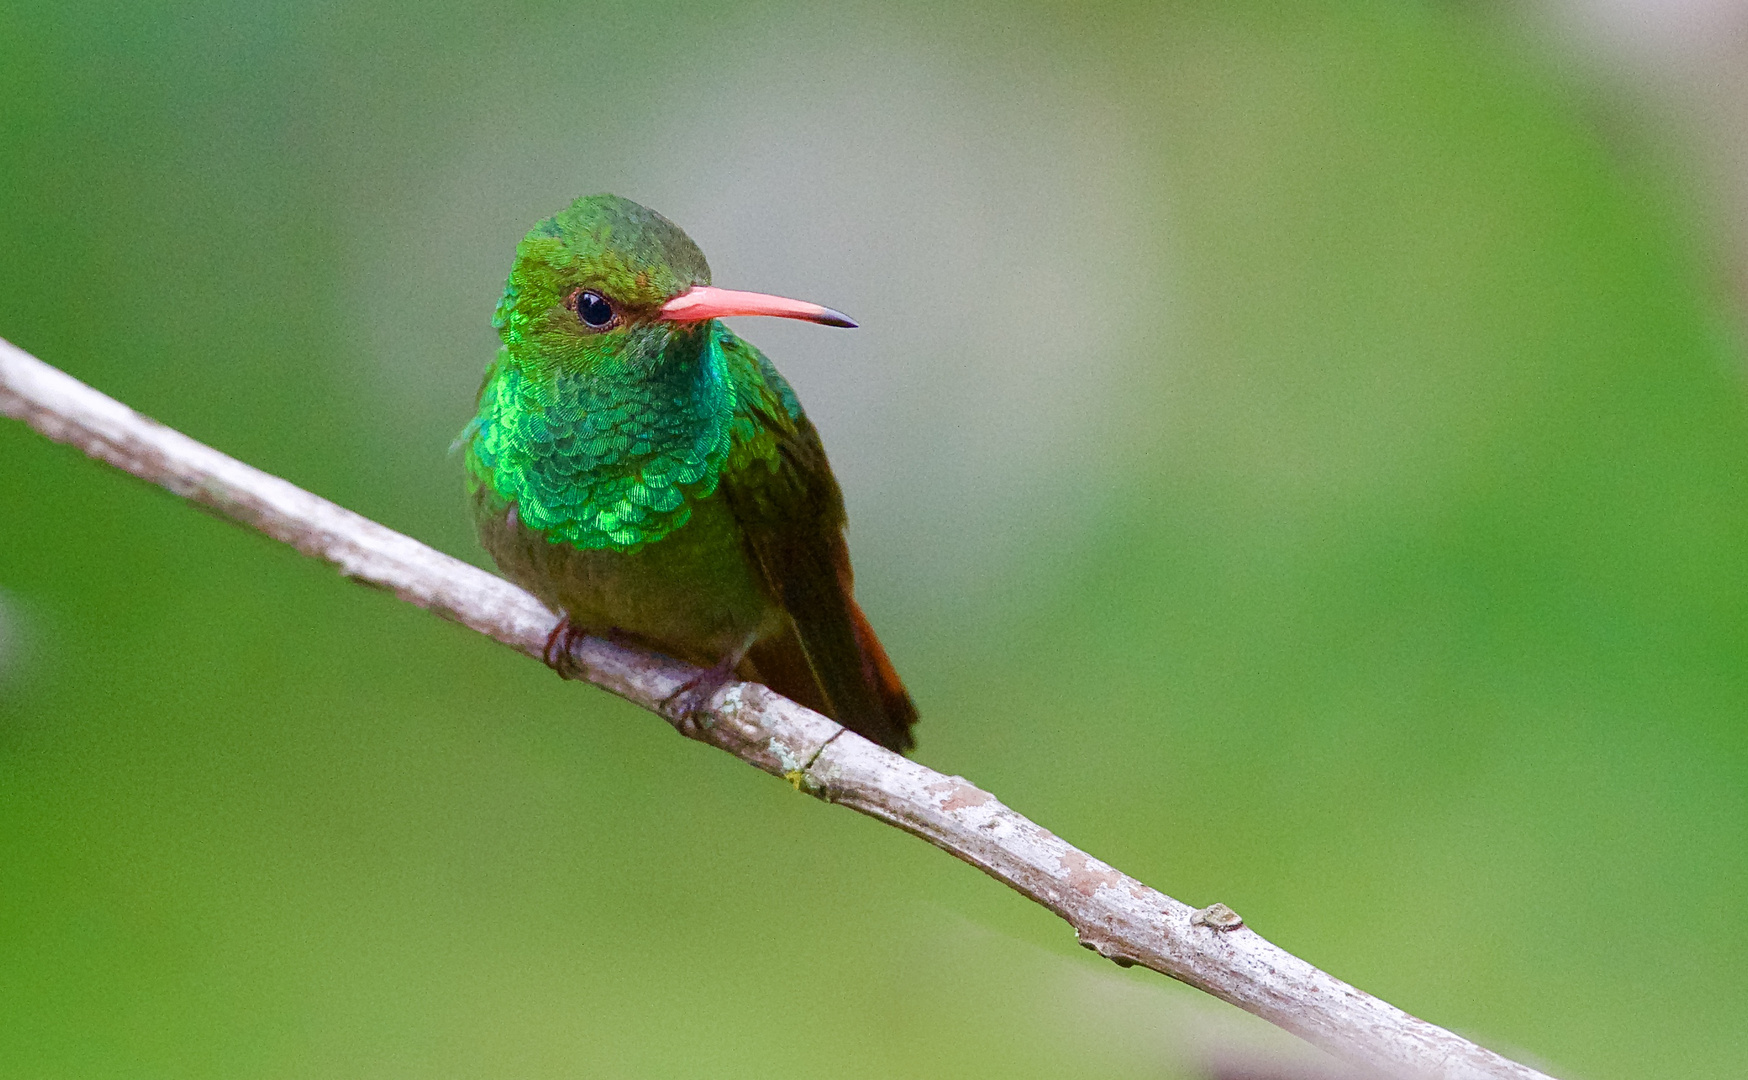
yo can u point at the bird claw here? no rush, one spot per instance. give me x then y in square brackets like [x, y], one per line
[559, 643]
[684, 706]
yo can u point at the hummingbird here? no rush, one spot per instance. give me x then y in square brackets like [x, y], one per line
[650, 477]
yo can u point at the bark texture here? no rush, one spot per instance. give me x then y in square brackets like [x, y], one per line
[1112, 913]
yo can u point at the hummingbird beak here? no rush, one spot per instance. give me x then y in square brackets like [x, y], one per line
[702, 302]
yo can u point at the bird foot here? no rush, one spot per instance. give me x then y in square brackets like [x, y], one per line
[684, 705]
[558, 647]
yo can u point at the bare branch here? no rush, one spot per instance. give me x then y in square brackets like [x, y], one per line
[1112, 913]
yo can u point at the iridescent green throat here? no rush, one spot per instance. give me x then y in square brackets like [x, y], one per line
[601, 460]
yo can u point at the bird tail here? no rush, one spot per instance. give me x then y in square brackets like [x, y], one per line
[848, 677]
[897, 711]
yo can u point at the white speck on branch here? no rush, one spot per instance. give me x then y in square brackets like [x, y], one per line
[1113, 914]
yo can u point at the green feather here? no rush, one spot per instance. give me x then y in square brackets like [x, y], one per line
[659, 478]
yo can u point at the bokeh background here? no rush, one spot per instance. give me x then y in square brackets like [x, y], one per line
[1300, 456]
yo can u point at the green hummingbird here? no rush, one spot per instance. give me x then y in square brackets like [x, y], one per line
[651, 477]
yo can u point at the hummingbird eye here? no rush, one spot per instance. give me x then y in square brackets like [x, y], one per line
[595, 310]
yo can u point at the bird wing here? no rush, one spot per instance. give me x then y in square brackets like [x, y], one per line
[791, 514]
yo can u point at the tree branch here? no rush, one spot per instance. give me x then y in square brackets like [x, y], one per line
[1112, 913]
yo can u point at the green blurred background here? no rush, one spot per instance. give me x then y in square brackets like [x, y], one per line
[1299, 457]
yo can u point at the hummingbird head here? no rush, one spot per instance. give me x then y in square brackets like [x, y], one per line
[607, 286]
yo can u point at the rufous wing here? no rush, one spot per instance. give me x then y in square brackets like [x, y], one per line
[792, 520]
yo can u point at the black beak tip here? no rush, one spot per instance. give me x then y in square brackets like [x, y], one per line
[836, 318]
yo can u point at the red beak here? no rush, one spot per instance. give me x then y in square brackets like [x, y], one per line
[702, 302]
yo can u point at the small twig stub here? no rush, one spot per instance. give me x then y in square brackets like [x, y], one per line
[1217, 917]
